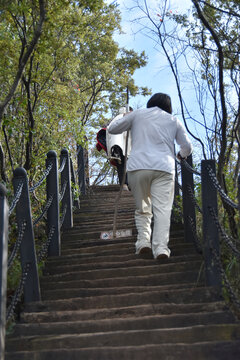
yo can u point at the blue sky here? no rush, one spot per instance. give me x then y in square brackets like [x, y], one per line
[157, 74]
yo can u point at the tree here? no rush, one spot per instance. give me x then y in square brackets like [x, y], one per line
[205, 44]
[29, 34]
[27, 46]
[75, 74]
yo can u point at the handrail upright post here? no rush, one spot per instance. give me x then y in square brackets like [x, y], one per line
[76, 202]
[81, 170]
[3, 265]
[53, 215]
[238, 193]
[27, 249]
[67, 198]
[176, 189]
[188, 205]
[210, 231]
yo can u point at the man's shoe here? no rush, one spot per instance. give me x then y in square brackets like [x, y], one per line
[162, 257]
[145, 252]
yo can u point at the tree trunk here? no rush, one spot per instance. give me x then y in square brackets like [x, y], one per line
[25, 55]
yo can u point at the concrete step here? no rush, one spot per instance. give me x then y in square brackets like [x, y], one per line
[108, 262]
[105, 199]
[76, 230]
[177, 296]
[198, 351]
[108, 221]
[65, 291]
[130, 323]
[125, 248]
[95, 234]
[76, 240]
[108, 225]
[90, 210]
[204, 333]
[125, 207]
[59, 268]
[83, 238]
[106, 206]
[62, 264]
[123, 271]
[98, 220]
[104, 247]
[88, 214]
[122, 312]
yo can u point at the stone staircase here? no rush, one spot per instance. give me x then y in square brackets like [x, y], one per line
[102, 302]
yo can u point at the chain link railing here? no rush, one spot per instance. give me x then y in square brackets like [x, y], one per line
[212, 228]
[220, 190]
[179, 186]
[63, 216]
[189, 168]
[18, 293]
[196, 240]
[234, 298]
[45, 174]
[50, 214]
[45, 209]
[17, 244]
[42, 254]
[28, 288]
[16, 198]
[61, 194]
[62, 166]
[224, 236]
[193, 198]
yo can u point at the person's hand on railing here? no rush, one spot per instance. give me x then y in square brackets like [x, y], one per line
[179, 156]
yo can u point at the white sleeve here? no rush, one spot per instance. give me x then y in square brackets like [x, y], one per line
[120, 124]
[183, 140]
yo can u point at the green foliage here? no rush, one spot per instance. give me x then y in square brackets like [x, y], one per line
[76, 75]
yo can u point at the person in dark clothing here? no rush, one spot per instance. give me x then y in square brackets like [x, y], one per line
[118, 152]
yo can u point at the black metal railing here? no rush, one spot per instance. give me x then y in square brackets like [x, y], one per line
[213, 237]
[57, 213]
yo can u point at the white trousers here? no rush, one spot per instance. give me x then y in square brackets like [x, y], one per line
[153, 191]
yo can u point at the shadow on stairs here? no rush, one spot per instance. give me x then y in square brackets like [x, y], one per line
[103, 302]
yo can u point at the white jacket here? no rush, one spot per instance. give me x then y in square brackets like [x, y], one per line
[153, 133]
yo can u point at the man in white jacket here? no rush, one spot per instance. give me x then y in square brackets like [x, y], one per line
[151, 169]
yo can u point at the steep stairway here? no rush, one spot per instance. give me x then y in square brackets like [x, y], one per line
[100, 301]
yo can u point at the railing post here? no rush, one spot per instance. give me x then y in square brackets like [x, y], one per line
[188, 205]
[210, 231]
[67, 198]
[54, 248]
[81, 170]
[86, 161]
[176, 192]
[27, 249]
[3, 265]
[238, 194]
[73, 179]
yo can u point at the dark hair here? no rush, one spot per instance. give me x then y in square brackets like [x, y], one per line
[163, 101]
